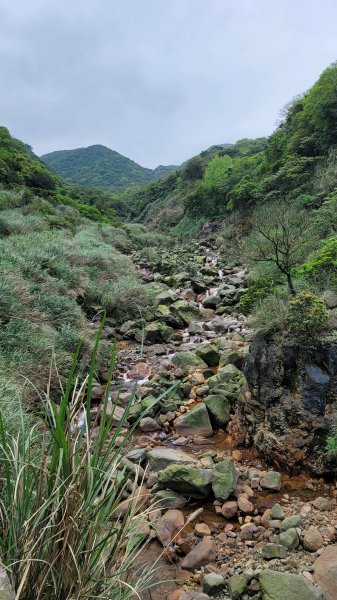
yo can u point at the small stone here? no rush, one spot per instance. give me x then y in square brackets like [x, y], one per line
[237, 455]
[322, 504]
[271, 481]
[202, 554]
[147, 424]
[313, 540]
[245, 505]
[277, 512]
[202, 529]
[230, 509]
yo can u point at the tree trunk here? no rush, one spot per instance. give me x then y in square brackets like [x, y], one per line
[290, 284]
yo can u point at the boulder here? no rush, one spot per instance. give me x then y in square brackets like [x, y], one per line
[237, 585]
[228, 374]
[208, 354]
[195, 329]
[271, 551]
[160, 458]
[289, 539]
[219, 409]
[194, 422]
[188, 360]
[325, 572]
[185, 311]
[187, 480]
[213, 583]
[202, 554]
[211, 301]
[271, 481]
[224, 479]
[167, 297]
[291, 522]
[281, 586]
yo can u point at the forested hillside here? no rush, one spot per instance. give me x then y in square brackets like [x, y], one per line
[297, 163]
[101, 167]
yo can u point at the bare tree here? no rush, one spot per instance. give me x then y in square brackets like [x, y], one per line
[280, 235]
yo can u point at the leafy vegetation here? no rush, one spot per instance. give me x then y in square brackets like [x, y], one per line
[70, 525]
[101, 167]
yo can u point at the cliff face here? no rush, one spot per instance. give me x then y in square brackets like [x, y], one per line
[291, 405]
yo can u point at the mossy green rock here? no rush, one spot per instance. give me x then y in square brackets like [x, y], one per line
[208, 354]
[185, 311]
[194, 422]
[228, 374]
[237, 585]
[167, 297]
[285, 586]
[150, 405]
[224, 479]
[187, 480]
[289, 539]
[291, 522]
[219, 409]
[271, 551]
[155, 332]
[187, 360]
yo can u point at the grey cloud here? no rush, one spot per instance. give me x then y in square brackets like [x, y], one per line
[157, 80]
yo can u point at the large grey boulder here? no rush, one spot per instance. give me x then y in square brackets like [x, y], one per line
[194, 422]
[283, 586]
[187, 480]
[160, 458]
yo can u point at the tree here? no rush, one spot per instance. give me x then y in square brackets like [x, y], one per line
[281, 236]
[217, 174]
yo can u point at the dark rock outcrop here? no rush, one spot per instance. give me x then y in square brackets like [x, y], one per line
[291, 405]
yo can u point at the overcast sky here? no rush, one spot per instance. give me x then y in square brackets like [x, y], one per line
[157, 80]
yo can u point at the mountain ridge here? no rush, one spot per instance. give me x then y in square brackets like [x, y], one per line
[100, 166]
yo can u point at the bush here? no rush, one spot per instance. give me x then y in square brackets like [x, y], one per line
[258, 289]
[270, 315]
[323, 266]
[307, 316]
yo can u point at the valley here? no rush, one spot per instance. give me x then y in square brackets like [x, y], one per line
[168, 368]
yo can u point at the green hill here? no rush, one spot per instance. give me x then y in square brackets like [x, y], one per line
[101, 167]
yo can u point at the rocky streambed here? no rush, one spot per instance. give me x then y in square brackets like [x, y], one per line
[225, 523]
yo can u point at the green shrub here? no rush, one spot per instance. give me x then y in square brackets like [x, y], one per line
[258, 289]
[323, 266]
[307, 316]
[270, 314]
[331, 442]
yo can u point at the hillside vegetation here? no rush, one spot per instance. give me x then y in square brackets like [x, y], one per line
[101, 167]
[64, 259]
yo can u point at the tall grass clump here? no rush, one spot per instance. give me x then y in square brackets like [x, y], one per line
[69, 513]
